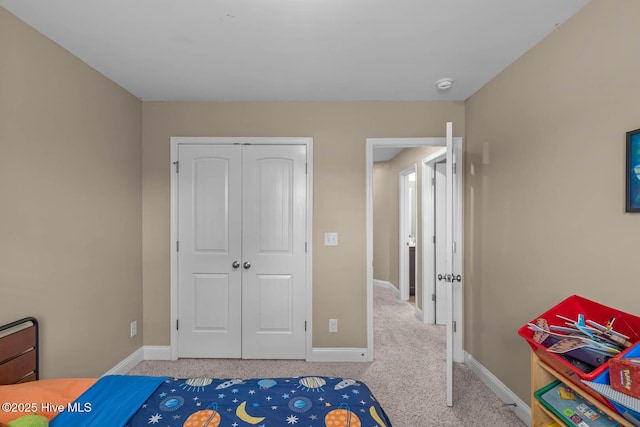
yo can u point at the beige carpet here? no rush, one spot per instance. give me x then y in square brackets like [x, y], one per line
[407, 375]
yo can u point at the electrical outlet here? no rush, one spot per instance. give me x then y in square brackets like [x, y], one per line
[333, 325]
[134, 328]
[331, 239]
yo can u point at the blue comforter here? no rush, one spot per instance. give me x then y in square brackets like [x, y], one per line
[111, 401]
[262, 402]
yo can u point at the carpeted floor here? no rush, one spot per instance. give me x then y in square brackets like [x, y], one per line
[407, 375]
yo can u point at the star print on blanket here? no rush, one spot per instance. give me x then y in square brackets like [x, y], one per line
[263, 402]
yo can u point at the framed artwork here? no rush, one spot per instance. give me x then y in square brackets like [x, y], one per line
[633, 171]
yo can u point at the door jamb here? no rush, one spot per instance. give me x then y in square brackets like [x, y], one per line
[403, 259]
[371, 143]
[174, 144]
[428, 225]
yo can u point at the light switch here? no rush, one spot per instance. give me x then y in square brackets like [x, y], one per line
[331, 239]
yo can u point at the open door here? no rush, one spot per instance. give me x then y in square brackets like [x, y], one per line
[454, 298]
[453, 277]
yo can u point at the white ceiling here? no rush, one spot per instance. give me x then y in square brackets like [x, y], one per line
[296, 49]
[382, 154]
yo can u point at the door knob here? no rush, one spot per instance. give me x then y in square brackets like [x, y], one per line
[246, 265]
[235, 264]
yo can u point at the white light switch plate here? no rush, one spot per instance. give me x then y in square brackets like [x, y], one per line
[331, 239]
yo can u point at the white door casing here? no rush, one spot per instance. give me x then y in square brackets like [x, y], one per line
[429, 234]
[258, 207]
[371, 144]
[441, 302]
[406, 212]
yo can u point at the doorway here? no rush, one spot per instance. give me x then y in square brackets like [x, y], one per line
[408, 233]
[240, 265]
[375, 143]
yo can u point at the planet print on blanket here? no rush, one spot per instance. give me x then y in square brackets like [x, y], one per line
[300, 404]
[302, 401]
[205, 417]
[312, 384]
[171, 403]
[342, 417]
[266, 384]
[196, 384]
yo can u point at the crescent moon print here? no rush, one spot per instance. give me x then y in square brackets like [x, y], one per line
[241, 412]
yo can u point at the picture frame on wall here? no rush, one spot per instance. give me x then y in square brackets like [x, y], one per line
[633, 171]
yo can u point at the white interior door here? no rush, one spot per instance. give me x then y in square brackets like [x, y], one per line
[273, 283]
[209, 230]
[242, 252]
[453, 255]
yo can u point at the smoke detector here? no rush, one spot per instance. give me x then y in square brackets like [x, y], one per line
[444, 84]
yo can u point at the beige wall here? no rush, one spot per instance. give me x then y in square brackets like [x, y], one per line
[339, 131]
[71, 204]
[382, 224]
[386, 206]
[544, 194]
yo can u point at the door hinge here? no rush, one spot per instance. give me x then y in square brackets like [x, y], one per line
[454, 247]
[454, 326]
[433, 297]
[433, 239]
[306, 169]
[177, 324]
[455, 168]
[305, 326]
[177, 246]
[305, 247]
[177, 166]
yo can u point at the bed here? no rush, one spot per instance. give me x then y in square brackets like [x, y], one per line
[129, 400]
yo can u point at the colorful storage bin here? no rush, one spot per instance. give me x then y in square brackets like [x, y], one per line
[603, 378]
[571, 307]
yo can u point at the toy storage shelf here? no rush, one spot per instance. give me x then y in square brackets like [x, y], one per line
[542, 375]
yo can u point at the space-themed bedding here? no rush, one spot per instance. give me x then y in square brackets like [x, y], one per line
[134, 401]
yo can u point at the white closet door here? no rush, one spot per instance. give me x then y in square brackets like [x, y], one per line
[209, 287]
[242, 255]
[273, 246]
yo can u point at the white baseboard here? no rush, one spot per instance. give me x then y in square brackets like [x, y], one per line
[157, 352]
[127, 364]
[388, 285]
[339, 355]
[521, 409]
[419, 314]
[381, 283]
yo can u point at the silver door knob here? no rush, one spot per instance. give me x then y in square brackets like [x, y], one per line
[246, 265]
[235, 264]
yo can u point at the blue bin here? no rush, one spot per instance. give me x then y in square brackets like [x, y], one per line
[603, 378]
